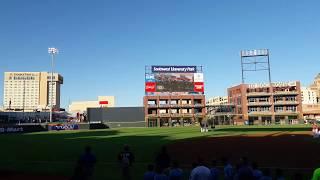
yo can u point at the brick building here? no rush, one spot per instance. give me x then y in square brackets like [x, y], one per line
[279, 103]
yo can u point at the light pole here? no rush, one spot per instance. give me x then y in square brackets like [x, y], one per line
[52, 51]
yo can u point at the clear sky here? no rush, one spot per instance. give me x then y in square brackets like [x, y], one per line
[105, 44]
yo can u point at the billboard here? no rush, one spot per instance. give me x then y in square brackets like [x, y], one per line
[174, 80]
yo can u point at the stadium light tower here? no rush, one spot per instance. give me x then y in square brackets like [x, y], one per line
[53, 52]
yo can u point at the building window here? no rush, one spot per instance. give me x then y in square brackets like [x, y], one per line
[278, 109]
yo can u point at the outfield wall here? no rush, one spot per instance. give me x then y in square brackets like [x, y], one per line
[118, 116]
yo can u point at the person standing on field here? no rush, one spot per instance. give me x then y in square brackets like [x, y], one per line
[126, 158]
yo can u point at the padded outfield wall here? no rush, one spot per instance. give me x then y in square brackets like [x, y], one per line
[118, 116]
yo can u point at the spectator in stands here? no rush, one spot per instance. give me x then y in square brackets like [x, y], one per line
[201, 172]
[215, 172]
[228, 170]
[160, 175]
[85, 166]
[257, 173]
[126, 158]
[149, 175]
[175, 172]
[245, 171]
[163, 159]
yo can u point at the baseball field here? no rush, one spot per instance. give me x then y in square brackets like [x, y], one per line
[53, 155]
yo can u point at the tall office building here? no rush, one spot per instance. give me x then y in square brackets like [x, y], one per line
[29, 91]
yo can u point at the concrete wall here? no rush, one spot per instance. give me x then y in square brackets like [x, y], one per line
[118, 116]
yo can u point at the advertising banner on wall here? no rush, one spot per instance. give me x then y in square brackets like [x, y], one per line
[150, 78]
[150, 87]
[198, 87]
[198, 77]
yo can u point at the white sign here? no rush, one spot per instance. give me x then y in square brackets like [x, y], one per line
[256, 52]
[198, 77]
[274, 84]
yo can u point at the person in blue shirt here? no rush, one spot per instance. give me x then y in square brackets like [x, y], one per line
[149, 175]
[215, 172]
[175, 172]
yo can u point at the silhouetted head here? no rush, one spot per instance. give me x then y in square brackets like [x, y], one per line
[126, 147]
[214, 163]
[150, 167]
[87, 149]
[164, 149]
[255, 165]
[175, 164]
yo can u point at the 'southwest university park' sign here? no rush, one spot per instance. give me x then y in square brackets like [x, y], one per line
[174, 69]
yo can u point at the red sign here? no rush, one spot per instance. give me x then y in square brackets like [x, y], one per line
[150, 87]
[198, 87]
[103, 102]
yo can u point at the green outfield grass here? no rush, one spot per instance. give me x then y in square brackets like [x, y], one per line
[57, 152]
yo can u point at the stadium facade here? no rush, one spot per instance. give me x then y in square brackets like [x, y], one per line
[278, 103]
[174, 96]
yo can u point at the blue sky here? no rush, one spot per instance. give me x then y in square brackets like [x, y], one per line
[105, 44]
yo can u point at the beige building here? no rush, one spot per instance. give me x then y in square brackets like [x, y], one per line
[309, 96]
[81, 106]
[311, 100]
[217, 100]
[31, 91]
[316, 85]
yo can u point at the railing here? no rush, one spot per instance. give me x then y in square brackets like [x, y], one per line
[259, 103]
[152, 115]
[164, 105]
[164, 115]
[198, 105]
[260, 113]
[152, 105]
[285, 93]
[286, 102]
[258, 94]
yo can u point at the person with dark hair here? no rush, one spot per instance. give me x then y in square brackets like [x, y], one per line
[228, 170]
[85, 165]
[163, 159]
[257, 173]
[175, 172]
[245, 171]
[126, 158]
[149, 175]
[160, 175]
[201, 172]
[215, 172]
